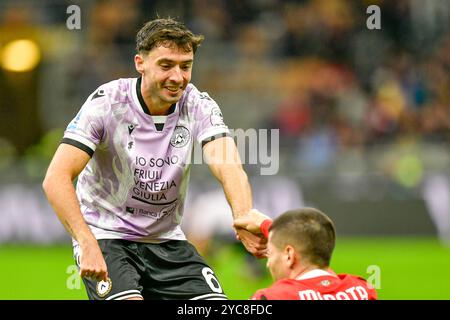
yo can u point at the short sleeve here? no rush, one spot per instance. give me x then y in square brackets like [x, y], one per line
[372, 293]
[86, 130]
[209, 119]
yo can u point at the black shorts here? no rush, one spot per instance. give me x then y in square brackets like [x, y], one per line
[168, 270]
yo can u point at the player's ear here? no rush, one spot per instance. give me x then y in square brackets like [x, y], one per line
[139, 63]
[290, 256]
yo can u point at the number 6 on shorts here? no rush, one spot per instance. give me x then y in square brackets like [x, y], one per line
[211, 280]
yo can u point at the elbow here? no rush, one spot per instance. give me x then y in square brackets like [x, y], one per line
[55, 180]
[46, 184]
[49, 182]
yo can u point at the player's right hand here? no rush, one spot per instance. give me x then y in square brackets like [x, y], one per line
[251, 221]
[92, 264]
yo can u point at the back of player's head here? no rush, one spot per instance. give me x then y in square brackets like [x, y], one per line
[309, 231]
[166, 32]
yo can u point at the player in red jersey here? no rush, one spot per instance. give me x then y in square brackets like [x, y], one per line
[300, 245]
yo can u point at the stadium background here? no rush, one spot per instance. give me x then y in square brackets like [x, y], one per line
[364, 119]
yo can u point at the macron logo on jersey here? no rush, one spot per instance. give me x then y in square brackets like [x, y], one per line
[98, 93]
[352, 293]
[131, 128]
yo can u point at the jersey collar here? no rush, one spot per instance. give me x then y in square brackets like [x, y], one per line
[314, 274]
[141, 101]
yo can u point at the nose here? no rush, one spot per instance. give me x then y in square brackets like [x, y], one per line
[176, 75]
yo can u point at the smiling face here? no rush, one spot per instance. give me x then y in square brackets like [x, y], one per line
[166, 71]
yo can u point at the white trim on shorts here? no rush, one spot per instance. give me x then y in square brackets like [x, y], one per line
[125, 294]
[211, 296]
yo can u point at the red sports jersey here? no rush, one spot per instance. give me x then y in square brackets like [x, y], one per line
[318, 285]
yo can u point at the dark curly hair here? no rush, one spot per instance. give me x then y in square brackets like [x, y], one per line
[166, 32]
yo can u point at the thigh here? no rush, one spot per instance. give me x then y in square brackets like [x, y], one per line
[124, 269]
[175, 270]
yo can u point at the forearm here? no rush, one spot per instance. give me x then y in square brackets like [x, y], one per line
[237, 189]
[61, 194]
[225, 164]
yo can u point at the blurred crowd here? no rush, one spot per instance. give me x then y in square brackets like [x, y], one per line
[351, 103]
[310, 68]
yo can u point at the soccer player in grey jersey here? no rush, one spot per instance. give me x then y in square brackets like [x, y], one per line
[130, 147]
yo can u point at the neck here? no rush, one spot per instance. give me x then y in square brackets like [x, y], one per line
[156, 108]
[301, 270]
[154, 105]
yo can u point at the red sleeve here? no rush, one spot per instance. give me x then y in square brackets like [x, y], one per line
[259, 295]
[265, 225]
[372, 293]
[285, 289]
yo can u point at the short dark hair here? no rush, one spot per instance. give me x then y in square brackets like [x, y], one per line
[166, 32]
[310, 231]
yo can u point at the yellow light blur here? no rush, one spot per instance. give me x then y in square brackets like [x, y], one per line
[20, 55]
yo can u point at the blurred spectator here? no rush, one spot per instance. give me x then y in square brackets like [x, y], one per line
[19, 115]
[436, 192]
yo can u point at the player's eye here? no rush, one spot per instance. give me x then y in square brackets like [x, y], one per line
[186, 67]
[165, 66]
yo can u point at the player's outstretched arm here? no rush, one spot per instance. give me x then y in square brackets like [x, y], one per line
[223, 159]
[65, 166]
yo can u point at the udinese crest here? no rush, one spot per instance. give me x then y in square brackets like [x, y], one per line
[104, 287]
[180, 137]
